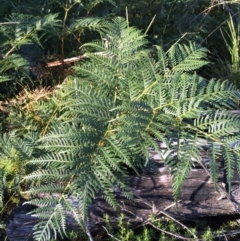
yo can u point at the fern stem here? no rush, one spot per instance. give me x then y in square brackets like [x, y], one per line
[150, 24]
[18, 43]
[172, 46]
[127, 17]
[66, 9]
[209, 136]
[6, 23]
[146, 90]
[50, 119]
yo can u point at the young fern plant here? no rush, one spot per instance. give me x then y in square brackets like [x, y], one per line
[126, 94]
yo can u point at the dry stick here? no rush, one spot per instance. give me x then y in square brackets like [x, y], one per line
[231, 233]
[225, 237]
[150, 23]
[169, 233]
[171, 205]
[128, 211]
[66, 61]
[162, 230]
[127, 17]
[219, 26]
[176, 221]
[226, 8]
[110, 234]
[88, 233]
[164, 213]
[5, 206]
[5, 23]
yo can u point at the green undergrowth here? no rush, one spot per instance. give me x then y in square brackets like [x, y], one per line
[161, 229]
[114, 102]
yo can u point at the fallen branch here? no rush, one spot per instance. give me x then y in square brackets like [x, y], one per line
[152, 195]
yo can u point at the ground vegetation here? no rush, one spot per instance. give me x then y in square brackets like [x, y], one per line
[87, 87]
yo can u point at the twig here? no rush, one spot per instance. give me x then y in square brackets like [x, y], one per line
[128, 211]
[171, 234]
[88, 233]
[66, 61]
[110, 234]
[181, 224]
[171, 205]
[5, 23]
[164, 213]
[225, 237]
[150, 23]
[226, 8]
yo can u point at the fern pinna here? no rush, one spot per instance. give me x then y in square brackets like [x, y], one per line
[113, 106]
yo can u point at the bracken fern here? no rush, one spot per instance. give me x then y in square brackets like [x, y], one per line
[113, 106]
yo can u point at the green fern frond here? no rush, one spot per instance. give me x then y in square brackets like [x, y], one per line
[15, 62]
[181, 161]
[186, 58]
[50, 188]
[233, 141]
[229, 163]
[54, 222]
[28, 28]
[106, 183]
[87, 192]
[214, 153]
[53, 160]
[219, 123]
[121, 40]
[107, 154]
[162, 65]
[49, 174]
[237, 161]
[179, 175]
[113, 107]
[5, 78]
[117, 147]
[71, 205]
[3, 181]
[94, 3]
[220, 94]
[87, 23]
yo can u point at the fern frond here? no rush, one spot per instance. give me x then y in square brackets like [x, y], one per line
[213, 154]
[162, 64]
[54, 222]
[54, 160]
[237, 161]
[113, 106]
[180, 174]
[182, 161]
[28, 30]
[49, 174]
[123, 41]
[87, 192]
[107, 154]
[186, 58]
[105, 182]
[3, 179]
[220, 94]
[16, 62]
[116, 146]
[87, 23]
[49, 188]
[71, 206]
[94, 3]
[229, 163]
[219, 123]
